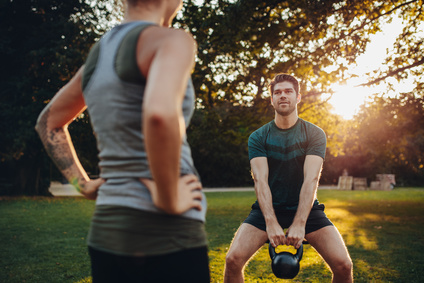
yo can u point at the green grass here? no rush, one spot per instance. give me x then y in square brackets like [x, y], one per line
[44, 239]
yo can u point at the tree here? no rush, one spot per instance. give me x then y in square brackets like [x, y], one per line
[42, 45]
[242, 44]
[406, 58]
[303, 38]
[388, 138]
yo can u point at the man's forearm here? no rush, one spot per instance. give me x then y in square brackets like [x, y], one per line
[306, 200]
[263, 193]
[274, 231]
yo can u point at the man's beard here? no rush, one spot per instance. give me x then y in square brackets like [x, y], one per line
[285, 113]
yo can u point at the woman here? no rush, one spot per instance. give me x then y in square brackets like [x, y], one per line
[148, 225]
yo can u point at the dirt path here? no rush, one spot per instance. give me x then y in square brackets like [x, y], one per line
[59, 190]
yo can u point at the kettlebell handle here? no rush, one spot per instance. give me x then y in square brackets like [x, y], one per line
[271, 250]
[299, 252]
[298, 255]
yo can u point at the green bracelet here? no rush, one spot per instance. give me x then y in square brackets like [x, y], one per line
[74, 182]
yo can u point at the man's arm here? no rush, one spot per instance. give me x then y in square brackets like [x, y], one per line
[312, 171]
[52, 127]
[260, 172]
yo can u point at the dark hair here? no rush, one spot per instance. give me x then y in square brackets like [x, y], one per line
[279, 78]
[136, 2]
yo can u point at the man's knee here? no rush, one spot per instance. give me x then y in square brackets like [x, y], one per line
[234, 261]
[343, 267]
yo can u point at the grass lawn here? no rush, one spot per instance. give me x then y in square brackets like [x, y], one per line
[43, 239]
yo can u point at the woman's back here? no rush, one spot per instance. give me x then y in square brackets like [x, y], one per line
[113, 89]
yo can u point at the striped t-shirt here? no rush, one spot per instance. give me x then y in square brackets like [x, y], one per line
[286, 150]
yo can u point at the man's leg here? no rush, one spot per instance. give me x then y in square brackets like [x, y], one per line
[247, 241]
[329, 244]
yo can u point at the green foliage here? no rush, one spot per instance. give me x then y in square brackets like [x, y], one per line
[303, 38]
[234, 66]
[43, 43]
[218, 138]
[242, 44]
[388, 137]
[85, 143]
[314, 40]
[405, 59]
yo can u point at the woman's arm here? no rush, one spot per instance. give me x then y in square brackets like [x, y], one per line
[52, 127]
[163, 123]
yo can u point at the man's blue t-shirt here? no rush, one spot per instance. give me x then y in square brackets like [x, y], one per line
[286, 150]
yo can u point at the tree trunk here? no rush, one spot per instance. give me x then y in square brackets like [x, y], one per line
[31, 176]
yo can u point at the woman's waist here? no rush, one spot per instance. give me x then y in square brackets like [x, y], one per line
[132, 193]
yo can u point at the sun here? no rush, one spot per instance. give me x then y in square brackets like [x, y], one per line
[347, 99]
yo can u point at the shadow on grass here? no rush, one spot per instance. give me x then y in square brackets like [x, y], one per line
[384, 238]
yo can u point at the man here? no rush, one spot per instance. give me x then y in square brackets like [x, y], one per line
[286, 157]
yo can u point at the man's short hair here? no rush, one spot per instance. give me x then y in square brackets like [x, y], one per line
[279, 78]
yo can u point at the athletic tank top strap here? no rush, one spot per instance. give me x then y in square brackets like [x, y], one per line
[114, 40]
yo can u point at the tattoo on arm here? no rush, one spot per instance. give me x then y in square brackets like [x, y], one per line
[58, 149]
[56, 145]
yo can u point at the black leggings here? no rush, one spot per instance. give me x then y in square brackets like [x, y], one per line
[191, 266]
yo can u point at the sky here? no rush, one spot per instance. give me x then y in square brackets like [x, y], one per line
[347, 98]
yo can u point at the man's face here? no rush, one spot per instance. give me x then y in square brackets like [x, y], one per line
[284, 98]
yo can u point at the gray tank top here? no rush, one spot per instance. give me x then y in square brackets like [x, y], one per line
[113, 90]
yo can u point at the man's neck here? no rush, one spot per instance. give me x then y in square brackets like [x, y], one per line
[286, 122]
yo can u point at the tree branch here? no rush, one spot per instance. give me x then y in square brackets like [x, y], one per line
[367, 21]
[394, 72]
[315, 104]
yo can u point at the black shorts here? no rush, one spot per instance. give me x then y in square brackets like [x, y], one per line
[316, 220]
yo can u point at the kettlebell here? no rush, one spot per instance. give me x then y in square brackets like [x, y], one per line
[285, 265]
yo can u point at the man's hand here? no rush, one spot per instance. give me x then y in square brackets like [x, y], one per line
[295, 235]
[275, 234]
[188, 195]
[89, 189]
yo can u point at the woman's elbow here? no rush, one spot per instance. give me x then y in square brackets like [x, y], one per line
[40, 125]
[158, 117]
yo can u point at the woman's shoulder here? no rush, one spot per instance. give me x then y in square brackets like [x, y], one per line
[165, 42]
[164, 35]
